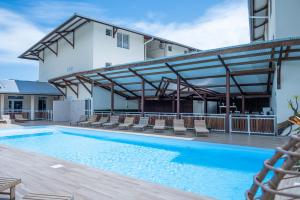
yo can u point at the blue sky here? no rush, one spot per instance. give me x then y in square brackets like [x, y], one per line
[203, 24]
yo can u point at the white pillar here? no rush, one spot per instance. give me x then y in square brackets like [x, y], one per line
[2, 104]
[32, 107]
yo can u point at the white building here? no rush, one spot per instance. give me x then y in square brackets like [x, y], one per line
[272, 20]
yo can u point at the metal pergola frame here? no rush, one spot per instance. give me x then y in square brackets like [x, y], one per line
[152, 79]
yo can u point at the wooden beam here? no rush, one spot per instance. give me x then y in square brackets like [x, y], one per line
[243, 104]
[270, 67]
[115, 30]
[58, 87]
[178, 96]
[141, 77]
[181, 78]
[67, 40]
[232, 77]
[143, 98]
[112, 98]
[117, 84]
[279, 69]
[48, 47]
[227, 118]
[84, 85]
[69, 85]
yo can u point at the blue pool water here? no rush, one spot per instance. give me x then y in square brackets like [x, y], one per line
[216, 170]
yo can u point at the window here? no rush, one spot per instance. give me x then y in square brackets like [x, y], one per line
[108, 32]
[123, 40]
[42, 103]
[185, 52]
[161, 46]
[108, 64]
[170, 48]
[15, 103]
[88, 107]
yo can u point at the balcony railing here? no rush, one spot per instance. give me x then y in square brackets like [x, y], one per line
[244, 124]
[38, 114]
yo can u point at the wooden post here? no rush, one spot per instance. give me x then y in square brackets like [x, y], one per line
[178, 96]
[173, 104]
[143, 98]
[243, 104]
[227, 122]
[112, 98]
[205, 106]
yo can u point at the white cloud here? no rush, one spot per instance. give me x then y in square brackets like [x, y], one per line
[16, 35]
[222, 25]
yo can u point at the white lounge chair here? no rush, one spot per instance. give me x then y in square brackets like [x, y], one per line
[143, 123]
[82, 118]
[20, 118]
[178, 126]
[113, 121]
[10, 185]
[90, 120]
[200, 128]
[101, 121]
[160, 125]
[5, 119]
[128, 122]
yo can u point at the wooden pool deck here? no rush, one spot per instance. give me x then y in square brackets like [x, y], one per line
[89, 183]
[84, 182]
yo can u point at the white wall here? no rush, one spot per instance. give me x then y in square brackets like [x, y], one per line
[101, 100]
[176, 50]
[69, 60]
[68, 110]
[154, 50]
[105, 47]
[289, 87]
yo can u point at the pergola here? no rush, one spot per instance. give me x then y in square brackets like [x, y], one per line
[244, 71]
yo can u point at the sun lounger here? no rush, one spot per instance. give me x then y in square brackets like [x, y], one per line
[101, 121]
[9, 184]
[5, 119]
[90, 120]
[20, 118]
[200, 128]
[37, 196]
[143, 123]
[82, 118]
[114, 120]
[128, 122]
[178, 126]
[160, 125]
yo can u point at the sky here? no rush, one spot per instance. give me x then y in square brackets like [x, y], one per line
[203, 24]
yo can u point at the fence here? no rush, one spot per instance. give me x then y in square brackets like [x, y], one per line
[249, 124]
[38, 114]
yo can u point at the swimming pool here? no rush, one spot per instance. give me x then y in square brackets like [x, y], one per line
[216, 170]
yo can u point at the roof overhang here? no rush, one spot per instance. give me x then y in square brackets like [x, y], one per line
[69, 27]
[202, 73]
[258, 19]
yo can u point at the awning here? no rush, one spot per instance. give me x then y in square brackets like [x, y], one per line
[251, 68]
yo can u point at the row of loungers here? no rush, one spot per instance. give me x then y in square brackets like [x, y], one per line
[8, 187]
[18, 118]
[160, 124]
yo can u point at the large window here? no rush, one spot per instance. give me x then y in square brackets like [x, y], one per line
[15, 103]
[42, 103]
[123, 40]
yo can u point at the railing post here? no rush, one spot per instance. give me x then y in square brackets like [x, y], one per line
[230, 123]
[248, 124]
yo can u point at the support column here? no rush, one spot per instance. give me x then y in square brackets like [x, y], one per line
[2, 104]
[178, 97]
[205, 106]
[112, 98]
[173, 104]
[32, 107]
[227, 122]
[243, 104]
[143, 98]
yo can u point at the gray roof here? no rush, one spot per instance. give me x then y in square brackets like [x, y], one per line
[27, 87]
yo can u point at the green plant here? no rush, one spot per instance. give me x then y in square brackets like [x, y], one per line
[294, 105]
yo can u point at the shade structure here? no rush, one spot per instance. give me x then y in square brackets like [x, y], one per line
[202, 74]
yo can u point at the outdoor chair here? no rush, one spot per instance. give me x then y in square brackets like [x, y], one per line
[128, 122]
[5, 119]
[160, 125]
[100, 122]
[90, 120]
[37, 196]
[9, 184]
[178, 126]
[113, 121]
[200, 128]
[143, 123]
[82, 118]
[20, 118]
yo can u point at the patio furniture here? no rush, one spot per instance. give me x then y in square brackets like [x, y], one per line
[178, 126]
[5, 119]
[113, 121]
[9, 184]
[160, 125]
[200, 128]
[90, 120]
[82, 118]
[20, 118]
[100, 122]
[37, 196]
[128, 122]
[143, 123]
